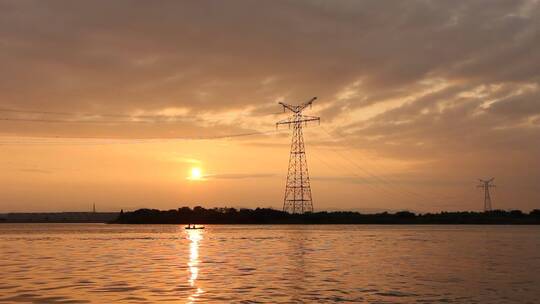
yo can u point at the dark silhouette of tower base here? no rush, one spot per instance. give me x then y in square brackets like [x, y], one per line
[486, 184]
[297, 188]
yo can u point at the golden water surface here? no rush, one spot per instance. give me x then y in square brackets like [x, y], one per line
[98, 263]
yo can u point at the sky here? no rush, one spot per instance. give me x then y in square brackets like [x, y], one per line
[117, 103]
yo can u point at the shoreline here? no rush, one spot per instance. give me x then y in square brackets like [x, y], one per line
[265, 216]
[262, 216]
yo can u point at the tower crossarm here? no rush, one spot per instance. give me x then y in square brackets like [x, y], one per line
[297, 108]
[487, 186]
[289, 107]
[486, 183]
[307, 103]
[298, 119]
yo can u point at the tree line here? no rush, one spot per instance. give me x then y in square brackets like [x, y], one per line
[200, 215]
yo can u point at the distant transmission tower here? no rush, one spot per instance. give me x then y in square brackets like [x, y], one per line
[486, 184]
[297, 189]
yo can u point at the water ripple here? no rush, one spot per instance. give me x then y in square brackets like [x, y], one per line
[268, 264]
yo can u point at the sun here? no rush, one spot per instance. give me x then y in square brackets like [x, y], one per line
[196, 174]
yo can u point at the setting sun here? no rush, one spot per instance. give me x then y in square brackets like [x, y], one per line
[196, 174]
[160, 150]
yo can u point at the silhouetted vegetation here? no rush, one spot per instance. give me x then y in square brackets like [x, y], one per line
[199, 215]
[58, 217]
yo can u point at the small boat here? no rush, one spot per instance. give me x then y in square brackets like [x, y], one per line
[193, 227]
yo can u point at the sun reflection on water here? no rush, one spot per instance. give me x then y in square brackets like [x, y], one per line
[193, 264]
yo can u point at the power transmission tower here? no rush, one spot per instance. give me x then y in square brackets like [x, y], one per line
[297, 189]
[486, 184]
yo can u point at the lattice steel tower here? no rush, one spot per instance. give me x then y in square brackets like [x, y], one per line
[297, 189]
[486, 184]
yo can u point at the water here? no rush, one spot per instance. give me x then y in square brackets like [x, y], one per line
[81, 263]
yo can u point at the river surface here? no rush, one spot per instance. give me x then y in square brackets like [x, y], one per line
[98, 263]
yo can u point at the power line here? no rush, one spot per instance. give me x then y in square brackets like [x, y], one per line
[379, 185]
[88, 114]
[107, 141]
[343, 168]
[155, 118]
[87, 121]
[382, 180]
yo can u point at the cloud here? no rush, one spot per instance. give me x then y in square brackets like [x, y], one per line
[401, 72]
[33, 170]
[521, 106]
[204, 59]
[452, 82]
[238, 176]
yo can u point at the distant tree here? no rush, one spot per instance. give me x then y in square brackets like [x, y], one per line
[535, 213]
[199, 209]
[516, 213]
[200, 215]
[405, 214]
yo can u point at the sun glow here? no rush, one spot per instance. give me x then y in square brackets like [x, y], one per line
[196, 174]
[194, 236]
